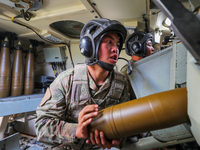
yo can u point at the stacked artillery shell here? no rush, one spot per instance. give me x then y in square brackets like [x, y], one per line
[153, 112]
[5, 69]
[29, 72]
[17, 72]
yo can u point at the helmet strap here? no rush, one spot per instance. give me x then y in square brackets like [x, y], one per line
[105, 65]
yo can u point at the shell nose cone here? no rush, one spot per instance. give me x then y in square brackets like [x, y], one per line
[6, 39]
[31, 46]
[19, 43]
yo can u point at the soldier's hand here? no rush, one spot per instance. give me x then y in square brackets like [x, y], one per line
[98, 138]
[85, 118]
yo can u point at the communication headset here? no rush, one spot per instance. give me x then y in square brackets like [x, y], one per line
[91, 36]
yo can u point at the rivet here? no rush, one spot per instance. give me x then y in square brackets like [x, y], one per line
[93, 4]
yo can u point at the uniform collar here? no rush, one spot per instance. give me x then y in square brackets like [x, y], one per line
[106, 84]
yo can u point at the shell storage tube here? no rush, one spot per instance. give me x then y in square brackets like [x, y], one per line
[17, 72]
[5, 70]
[29, 73]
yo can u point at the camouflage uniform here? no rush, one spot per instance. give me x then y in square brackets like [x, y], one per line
[124, 72]
[70, 92]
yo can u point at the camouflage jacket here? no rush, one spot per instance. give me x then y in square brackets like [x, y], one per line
[71, 91]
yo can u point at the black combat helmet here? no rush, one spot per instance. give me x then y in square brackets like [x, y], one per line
[91, 36]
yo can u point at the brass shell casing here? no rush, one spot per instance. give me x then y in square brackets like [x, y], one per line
[17, 74]
[5, 72]
[29, 74]
[156, 111]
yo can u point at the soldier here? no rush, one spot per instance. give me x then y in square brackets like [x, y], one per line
[138, 45]
[77, 94]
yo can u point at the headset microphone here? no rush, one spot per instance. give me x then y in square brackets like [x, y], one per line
[129, 69]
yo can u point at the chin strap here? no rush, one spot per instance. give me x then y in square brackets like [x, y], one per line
[105, 65]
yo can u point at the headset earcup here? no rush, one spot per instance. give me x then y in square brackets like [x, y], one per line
[136, 47]
[86, 46]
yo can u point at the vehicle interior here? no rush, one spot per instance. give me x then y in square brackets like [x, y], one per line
[48, 35]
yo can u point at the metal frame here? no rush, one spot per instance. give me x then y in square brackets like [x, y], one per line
[20, 104]
[10, 142]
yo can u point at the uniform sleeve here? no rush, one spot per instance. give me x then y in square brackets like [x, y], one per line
[51, 127]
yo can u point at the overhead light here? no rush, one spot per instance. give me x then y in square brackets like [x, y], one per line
[167, 22]
[69, 28]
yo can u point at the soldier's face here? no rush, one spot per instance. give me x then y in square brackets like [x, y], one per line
[149, 48]
[109, 48]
